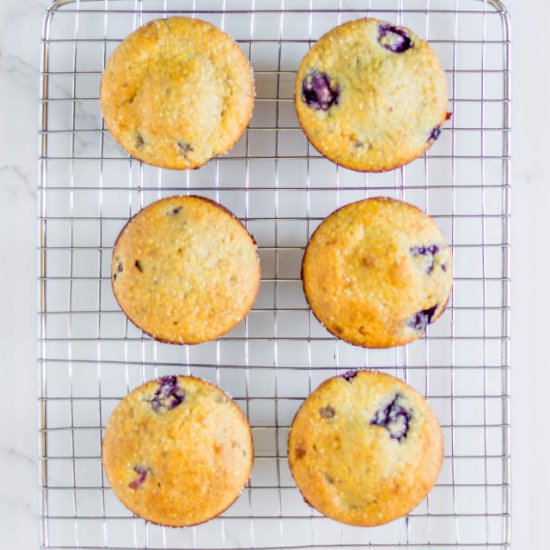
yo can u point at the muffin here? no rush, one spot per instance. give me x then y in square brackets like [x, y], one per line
[185, 270]
[377, 272]
[177, 451]
[365, 448]
[177, 92]
[371, 96]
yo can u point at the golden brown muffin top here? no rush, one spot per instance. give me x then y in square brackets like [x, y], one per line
[377, 272]
[185, 270]
[365, 448]
[371, 96]
[177, 92]
[177, 451]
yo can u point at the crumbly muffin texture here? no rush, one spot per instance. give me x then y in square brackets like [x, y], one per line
[377, 272]
[371, 96]
[177, 451]
[365, 448]
[185, 270]
[177, 92]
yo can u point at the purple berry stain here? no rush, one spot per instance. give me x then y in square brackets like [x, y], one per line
[318, 92]
[394, 39]
[434, 134]
[420, 320]
[426, 251]
[394, 418]
[350, 375]
[142, 472]
[168, 395]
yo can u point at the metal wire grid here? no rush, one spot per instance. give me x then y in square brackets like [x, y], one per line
[90, 356]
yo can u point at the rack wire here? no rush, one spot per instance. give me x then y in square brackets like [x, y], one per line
[90, 356]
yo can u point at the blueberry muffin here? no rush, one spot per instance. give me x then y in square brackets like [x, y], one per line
[185, 270]
[177, 451]
[365, 448]
[177, 92]
[377, 272]
[371, 96]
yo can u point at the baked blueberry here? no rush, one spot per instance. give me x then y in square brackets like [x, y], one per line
[142, 472]
[349, 375]
[434, 134]
[429, 252]
[421, 319]
[424, 250]
[394, 418]
[394, 39]
[168, 395]
[138, 266]
[318, 92]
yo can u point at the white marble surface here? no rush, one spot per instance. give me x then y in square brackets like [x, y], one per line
[20, 23]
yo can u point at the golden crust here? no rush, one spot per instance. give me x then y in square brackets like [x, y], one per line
[185, 270]
[177, 92]
[365, 279]
[388, 104]
[177, 466]
[349, 466]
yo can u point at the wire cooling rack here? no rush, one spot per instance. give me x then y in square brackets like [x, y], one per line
[90, 356]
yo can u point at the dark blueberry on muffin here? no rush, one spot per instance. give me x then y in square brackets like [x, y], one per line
[168, 395]
[318, 92]
[420, 320]
[434, 134]
[394, 39]
[142, 472]
[349, 375]
[428, 252]
[393, 418]
[424, 250]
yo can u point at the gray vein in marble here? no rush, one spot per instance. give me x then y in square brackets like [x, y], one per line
[17, 454]
[11, 183]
